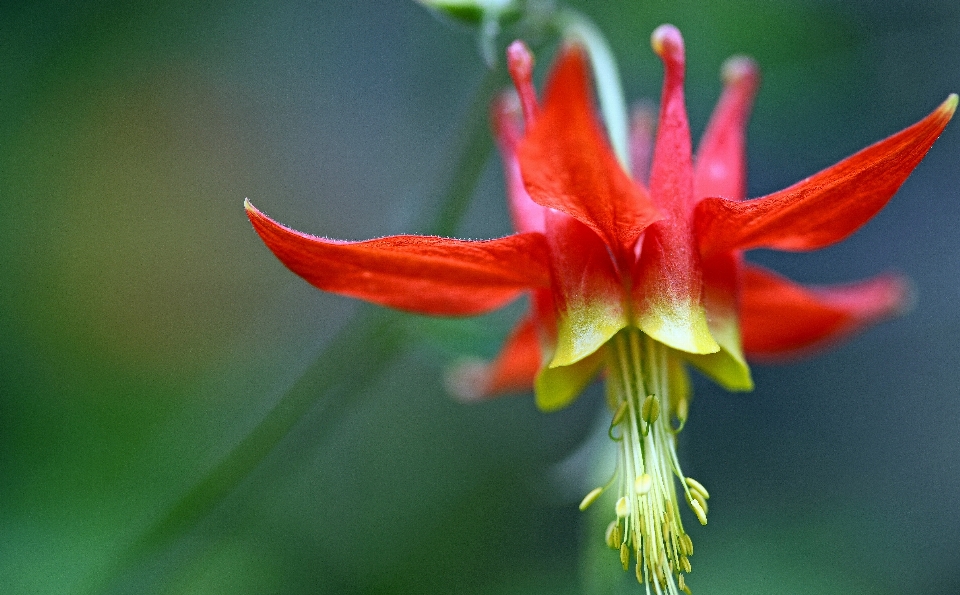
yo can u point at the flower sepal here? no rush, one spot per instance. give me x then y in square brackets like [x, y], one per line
[557, 387]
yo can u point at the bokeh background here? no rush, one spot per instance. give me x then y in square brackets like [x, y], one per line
[145, 330]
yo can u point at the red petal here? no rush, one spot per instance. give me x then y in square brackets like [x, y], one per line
[514, 369]
[588, 292]
[721, 300]
[826, 207]
[422, 274]
[721, 168]
[671, 174]
[643, 123]
[780, 318]
[505, 114]
[568, 165]
[520, 66]
[668, 287]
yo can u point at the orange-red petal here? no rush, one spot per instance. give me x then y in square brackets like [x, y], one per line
[429, 275]
[721, 299]
[587, 290]
[513, 370]
[643, 125]
[667, 290]
[721, 168]
[780, 318]
[671, 173]
[667, 278]
[507, 129]
[568, 165]
[826, 207]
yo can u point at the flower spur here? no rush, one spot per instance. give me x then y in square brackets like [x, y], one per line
[640, 277]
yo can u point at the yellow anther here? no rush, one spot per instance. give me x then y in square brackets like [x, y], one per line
[686, 544]
[683, 409]
[642, 484]
[590, 498]
[614, 537]
[701, 500]
[648, 531]
[698, 510]
[650, 410]
[618, 416]
[622, 507]
[696, 485]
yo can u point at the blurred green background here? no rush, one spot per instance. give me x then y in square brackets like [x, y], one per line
[145, 330]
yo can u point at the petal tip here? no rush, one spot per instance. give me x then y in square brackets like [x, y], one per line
[555, 388]
[519, 58]
[687, 332]
[520, 65]
[949, 106]
[904, 295]
[739, 70]
[255, 215]
[667, 42]
[468, 380]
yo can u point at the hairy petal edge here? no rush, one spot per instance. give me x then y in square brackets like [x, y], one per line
[423, 274]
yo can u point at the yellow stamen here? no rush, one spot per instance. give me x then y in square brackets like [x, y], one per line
[622, 507]
[642, 484]
[700, 500]
[696, 485]
[650, 410]
[698, 510]
[618, 416]
[614, 535]
[686, 544]
[648, 522]
[590, 498]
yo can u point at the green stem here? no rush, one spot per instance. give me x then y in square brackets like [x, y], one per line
[334, 369]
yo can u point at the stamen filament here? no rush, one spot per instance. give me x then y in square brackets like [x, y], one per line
[647, 525]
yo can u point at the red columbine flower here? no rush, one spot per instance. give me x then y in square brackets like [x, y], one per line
[638, 277]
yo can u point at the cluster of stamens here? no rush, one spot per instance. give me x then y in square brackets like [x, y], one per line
[647, 527]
